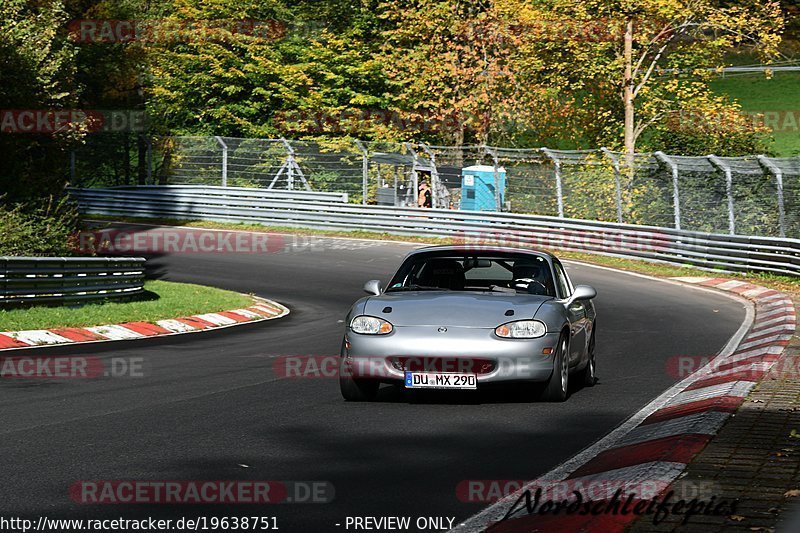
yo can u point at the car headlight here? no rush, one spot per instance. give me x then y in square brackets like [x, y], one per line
[370, 325]
[521, 329]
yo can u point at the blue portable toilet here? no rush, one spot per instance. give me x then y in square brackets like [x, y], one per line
[478, 188]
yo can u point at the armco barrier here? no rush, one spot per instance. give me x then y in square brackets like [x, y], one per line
[705, 250]
[69, 279]
[243, 192]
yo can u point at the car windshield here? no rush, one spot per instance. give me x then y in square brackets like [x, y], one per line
[512, 273]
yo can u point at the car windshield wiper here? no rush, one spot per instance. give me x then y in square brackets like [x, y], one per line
[415, 288]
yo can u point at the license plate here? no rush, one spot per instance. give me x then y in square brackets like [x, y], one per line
[440, 380]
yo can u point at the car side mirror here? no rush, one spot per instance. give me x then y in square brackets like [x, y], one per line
[583, 292]
[373, 287]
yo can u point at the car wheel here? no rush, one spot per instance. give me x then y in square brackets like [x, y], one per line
[557, 386]
[589, 373]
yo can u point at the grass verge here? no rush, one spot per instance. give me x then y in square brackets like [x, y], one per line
[163, 299]
[785, 284]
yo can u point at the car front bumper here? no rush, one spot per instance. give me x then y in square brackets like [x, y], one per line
[427, 348]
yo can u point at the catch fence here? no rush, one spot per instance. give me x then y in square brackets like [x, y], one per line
[753, 195]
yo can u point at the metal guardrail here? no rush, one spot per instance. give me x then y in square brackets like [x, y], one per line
[704, 250]
[244, 192]
[69, 279]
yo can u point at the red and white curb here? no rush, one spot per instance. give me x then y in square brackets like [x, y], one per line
[657, 444]
[262, 309]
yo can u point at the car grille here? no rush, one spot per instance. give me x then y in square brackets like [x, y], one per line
[443, 364]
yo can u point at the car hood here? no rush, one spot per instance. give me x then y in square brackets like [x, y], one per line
[443, 308]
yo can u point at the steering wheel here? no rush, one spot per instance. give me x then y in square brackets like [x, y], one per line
[531, 281]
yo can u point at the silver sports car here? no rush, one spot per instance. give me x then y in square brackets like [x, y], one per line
[459, 317]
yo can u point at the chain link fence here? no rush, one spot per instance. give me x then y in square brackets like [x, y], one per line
[752, 195]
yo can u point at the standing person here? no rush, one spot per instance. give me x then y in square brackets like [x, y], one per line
[425, 198]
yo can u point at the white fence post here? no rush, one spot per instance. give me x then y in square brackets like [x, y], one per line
[720, 164]
[559, 188]
[676, 200]
[776, 171]
[364, 169]
[290, 165]
[414, 174]
[617, 185]
[224, 160]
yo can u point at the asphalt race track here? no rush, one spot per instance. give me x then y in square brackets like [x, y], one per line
[209, 403]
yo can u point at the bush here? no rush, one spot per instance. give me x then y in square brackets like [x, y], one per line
[728, 144]
[45, 227]
[699, 131]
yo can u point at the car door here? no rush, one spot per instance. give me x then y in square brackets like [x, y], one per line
[576, 311]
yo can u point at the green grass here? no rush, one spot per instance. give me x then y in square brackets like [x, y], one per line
[163, 299]
[782, 283]
[757, 94]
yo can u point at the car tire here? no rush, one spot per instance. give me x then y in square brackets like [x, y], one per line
[589, 373]
[557, 387]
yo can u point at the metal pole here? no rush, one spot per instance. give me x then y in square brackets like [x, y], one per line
[289, 164]
[224, 160]
[559, 188]
[718, 163]
[676, 201]
[781, 205]
[778, 173]
[414, 174]
[364, 170]
[496, 167]
[617, 184]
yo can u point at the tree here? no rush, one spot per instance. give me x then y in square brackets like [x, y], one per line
[658, 55]
[697, 33]
[37, 72]
[209, 78]
[343, 87]
[451, 67]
